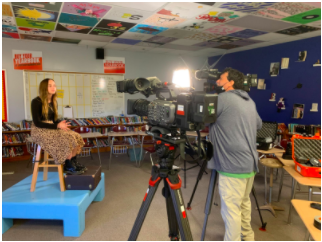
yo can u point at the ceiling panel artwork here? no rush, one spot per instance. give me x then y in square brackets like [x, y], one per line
[191, 28]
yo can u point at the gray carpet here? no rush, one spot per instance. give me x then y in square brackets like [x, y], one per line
[113, 218]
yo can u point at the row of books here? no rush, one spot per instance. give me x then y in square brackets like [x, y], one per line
[25, 124]
[11, 152]
[10, 127]
[101, 143]
[304, 129]
[134, 128]
[14, 138]
[94, 121]
[133, 120]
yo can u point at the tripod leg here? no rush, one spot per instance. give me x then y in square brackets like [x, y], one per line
[263, 228]
[202, 169]
[172, 220]
[211, 188]
[174, 182]
[153, 186]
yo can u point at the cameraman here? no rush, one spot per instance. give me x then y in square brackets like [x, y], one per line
[235, 156]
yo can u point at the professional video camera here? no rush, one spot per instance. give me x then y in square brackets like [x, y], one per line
[212, 75]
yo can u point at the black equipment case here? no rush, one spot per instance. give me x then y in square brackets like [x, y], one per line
[86, 181]
[266, 135]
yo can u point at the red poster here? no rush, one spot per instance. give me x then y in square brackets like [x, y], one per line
[114, 65]
[27, 60]
[4, 97]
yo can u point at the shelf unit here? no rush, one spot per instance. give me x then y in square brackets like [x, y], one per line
[94, 150]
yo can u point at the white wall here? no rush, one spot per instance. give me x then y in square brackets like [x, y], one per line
[74, 58]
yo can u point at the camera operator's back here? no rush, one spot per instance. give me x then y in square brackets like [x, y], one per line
[234, 134]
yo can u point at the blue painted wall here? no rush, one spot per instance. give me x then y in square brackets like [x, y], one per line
[258, 61]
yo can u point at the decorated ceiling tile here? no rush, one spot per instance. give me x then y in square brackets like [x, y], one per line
[246, 7]
[163, 20]
[195, 25]
[208, 44]
[32, 31]
[137, 36]
[247, 33]
[106, 32]
[125, 41]
[245, 42]
[284, 9]
[202, 36]
[10, 35]
[77, 19]
[35, 37]
[8, 21]
[127, 14]
[227, 46]
[161, 39]
[114, 25]
[298, 30]
[9, 29]
[208, 3]
[6, 10]
[147, 29]
[223, 29]
[35, 14]
[219, 15]
[306, 17]
[224, 39]
[177, 33]
[147, 6]
[73, 28]
[64, 40]
[86, 9]
[183, 9]
[51, 6]
[22, 22]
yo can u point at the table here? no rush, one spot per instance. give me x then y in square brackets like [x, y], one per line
[121, 134]
[305, 181]
[307, 215]
[285, 163]
[93, 135]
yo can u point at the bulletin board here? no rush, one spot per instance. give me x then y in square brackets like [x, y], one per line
[89, 94]
[4, 96]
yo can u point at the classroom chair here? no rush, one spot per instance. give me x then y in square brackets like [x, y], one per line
[150, 149]
[87, 148]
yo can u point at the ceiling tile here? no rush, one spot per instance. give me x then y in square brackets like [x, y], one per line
[223, 29]
[139, 48]
[10, 35]
[147, 6]
[137, 36]
[78, 20]
[13, 29]
[10, 21]
[73, 28]
[187, 42]
[219, 15]
[126, 41]
[35, 14]
[114, 25]
[203, 36]
[259, 23]
[117, 46]
[163, 20]
[70, 35]
[224, 39]
[195, 25]
[315, 4]
[32, 31]
[6, 10]
[160, 39]
[147, 29]
[208, 44]
[246, 7]
[306, 17]
[247, 33]
[183, 10]
[177, 33]
[65, 40]
[52, 6]
[129, 15]
[283, 10]
[92, 43]
[268, 37]
[85, 9]
[298, 30]
[105, 32]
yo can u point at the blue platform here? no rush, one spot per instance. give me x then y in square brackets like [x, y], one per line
[48, 202]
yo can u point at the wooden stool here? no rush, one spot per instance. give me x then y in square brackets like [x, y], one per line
[45, 165]
[271, 163]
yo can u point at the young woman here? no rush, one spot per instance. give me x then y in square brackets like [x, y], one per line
[54, 136]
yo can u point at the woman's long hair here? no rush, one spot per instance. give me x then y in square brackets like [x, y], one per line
[43, 94]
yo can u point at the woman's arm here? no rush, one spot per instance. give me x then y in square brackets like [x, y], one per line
[36, 110]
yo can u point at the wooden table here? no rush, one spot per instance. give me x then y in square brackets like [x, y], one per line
[307, 215]
[121, 134]
[93, 135]
[305, 181]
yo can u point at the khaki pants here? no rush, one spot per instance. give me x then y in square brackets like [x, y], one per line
[236, 207]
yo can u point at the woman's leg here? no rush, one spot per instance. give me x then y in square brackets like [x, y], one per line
[74, 152]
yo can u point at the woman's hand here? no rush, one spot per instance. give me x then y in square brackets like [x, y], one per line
[63, 125]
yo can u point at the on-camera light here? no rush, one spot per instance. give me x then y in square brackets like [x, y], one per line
[181, 78]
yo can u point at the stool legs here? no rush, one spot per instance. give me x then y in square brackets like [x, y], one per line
[35, 172]
[281, 185]
[61, 178]
[265, 186]
[45, 172]
[292, 197]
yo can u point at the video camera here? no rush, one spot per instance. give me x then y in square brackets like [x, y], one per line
[186, 111]
[212, 75]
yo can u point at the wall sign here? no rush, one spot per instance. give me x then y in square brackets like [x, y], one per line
[27, 60]
[114, 65]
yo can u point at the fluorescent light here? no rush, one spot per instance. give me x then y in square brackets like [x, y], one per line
[181, 78]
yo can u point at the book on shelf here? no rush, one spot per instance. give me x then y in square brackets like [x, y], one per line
[10, 127]
[9, 152]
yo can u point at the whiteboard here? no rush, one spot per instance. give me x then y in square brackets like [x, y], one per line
[90, 95]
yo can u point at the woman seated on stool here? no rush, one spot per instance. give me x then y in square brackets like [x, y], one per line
[53, 136]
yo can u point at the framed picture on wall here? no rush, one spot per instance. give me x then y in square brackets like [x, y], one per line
[274, 69]
[298, 111]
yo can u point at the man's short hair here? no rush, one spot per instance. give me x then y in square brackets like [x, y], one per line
[236, 76]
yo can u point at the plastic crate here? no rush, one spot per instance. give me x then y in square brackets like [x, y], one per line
[137, 152]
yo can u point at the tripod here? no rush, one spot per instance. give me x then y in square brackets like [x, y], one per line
[177, 216]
